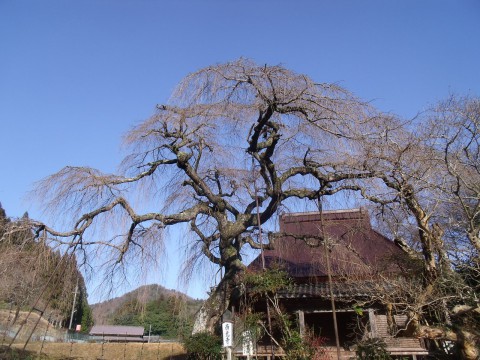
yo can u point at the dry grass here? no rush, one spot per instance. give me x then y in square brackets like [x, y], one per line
[108, 351]
[43, 327]
[71, 351]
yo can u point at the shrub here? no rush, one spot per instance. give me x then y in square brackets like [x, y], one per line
[372, 349]
[307, 347]
[203, 346]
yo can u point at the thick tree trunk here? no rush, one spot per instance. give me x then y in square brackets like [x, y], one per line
[219, 300]
[465, 340]
[468, 345]
[474, 239]
[213, 308]
[427, 238]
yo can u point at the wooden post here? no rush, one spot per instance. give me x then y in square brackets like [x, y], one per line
[73, 306]
[373, 323]
[301, 322]
[329, 274]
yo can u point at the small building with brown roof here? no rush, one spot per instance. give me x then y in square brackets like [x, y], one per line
[117, 333]
[341, 244]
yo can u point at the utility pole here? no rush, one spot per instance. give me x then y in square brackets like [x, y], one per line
[73, 306]
[329, 273]
[260, 240]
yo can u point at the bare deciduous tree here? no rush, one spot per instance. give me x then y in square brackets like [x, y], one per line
[235, 139]
[457, 135]
[238, 141]
[426, 187]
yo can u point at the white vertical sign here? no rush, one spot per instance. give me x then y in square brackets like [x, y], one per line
[227, 331]
[247, 343]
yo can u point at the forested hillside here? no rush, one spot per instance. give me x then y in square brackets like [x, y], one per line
[168, 312]
[33, 275]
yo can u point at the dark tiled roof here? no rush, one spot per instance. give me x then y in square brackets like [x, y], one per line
[341, 290]
[354, 247]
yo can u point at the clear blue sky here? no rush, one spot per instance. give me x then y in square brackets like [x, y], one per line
[76, 75]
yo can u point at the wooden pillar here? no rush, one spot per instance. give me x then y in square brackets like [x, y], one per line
[301, 322]
[373, 323]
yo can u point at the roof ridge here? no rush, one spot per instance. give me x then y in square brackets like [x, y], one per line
[328, 215]
[338, 211]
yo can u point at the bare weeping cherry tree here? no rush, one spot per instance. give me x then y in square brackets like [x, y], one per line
[426, 188]
[457, 135]
[235, 142]
[454, 130]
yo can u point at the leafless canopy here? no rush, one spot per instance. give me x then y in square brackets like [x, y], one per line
[234, 139]
[238, 140]
[230, 132]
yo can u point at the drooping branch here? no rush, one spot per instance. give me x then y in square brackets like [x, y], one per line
[225, 147]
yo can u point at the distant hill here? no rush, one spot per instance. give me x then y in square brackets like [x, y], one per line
[103, 312]
[169, 312]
